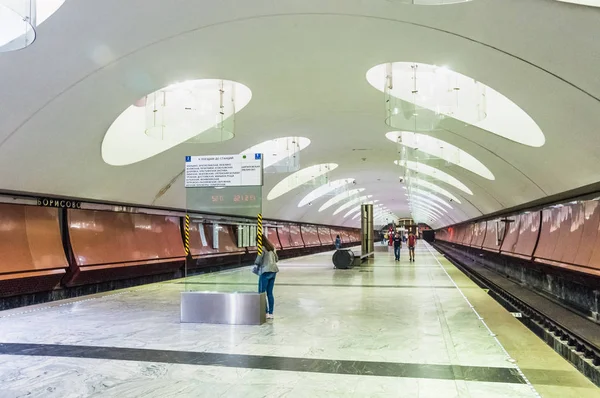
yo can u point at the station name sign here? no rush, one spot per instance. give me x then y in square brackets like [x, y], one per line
[60, 203]
[224, 171]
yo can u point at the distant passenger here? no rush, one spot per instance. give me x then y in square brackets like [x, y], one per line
[266, 266]
[338, 242]
[412, 242]
[397, 246]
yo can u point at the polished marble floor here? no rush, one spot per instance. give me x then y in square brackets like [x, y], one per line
[385, 329]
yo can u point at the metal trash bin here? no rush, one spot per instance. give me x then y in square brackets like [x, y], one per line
[343, 259]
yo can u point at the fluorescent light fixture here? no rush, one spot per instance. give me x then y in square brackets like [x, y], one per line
[299, 178]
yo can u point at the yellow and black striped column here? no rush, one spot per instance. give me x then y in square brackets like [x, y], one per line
[259, 234]
[186, 233]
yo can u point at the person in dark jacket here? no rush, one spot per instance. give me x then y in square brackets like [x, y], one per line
[397, 245]
[338, 242]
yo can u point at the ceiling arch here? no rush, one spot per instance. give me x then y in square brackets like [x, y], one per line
[56, 108]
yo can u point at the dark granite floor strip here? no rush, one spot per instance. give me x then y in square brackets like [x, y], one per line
[364, 368]
[319, 285]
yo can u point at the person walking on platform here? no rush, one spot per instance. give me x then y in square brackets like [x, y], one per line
[412, 242]
[397, 246]
[338, 242]
[266, 268]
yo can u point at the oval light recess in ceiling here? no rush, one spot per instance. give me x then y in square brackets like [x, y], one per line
[426, 206]
[425, 211]
[339, 197]
[424, 217]
[589, 3]
[324, 190]
[354, 217]
[278, 149]
[440, 149]
[428, 209]
[433, 172]
[357, 208]
[432, 203]
[430, 2]
[432, 187]
[501, 117]
[299, 178]
[351, 203]
[429, 195]
[127, 142]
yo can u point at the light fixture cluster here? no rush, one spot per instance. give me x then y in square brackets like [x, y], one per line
[197, 111]
[19, 20]
[299, 178]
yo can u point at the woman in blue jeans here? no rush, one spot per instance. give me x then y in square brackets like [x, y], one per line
[267, 271]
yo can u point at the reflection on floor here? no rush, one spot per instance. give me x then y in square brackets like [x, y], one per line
[382, 330]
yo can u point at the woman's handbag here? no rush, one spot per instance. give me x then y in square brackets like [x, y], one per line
[258, 264]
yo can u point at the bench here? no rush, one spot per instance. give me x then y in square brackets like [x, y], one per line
[347, 258]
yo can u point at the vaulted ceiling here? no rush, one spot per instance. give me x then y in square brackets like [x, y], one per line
[305, 63]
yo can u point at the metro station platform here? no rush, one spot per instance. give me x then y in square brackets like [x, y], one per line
[380, 330]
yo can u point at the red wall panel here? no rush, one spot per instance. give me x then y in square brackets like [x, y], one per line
[273, 237]
[30, 239]
[103, 237]
[296, 236]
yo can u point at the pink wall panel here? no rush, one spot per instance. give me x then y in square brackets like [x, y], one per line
[468, 237]
[479, 230]
[529, 229]
[512, 234]
[325, 235]
[589, 237]
[309, 235]
[549, 234]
